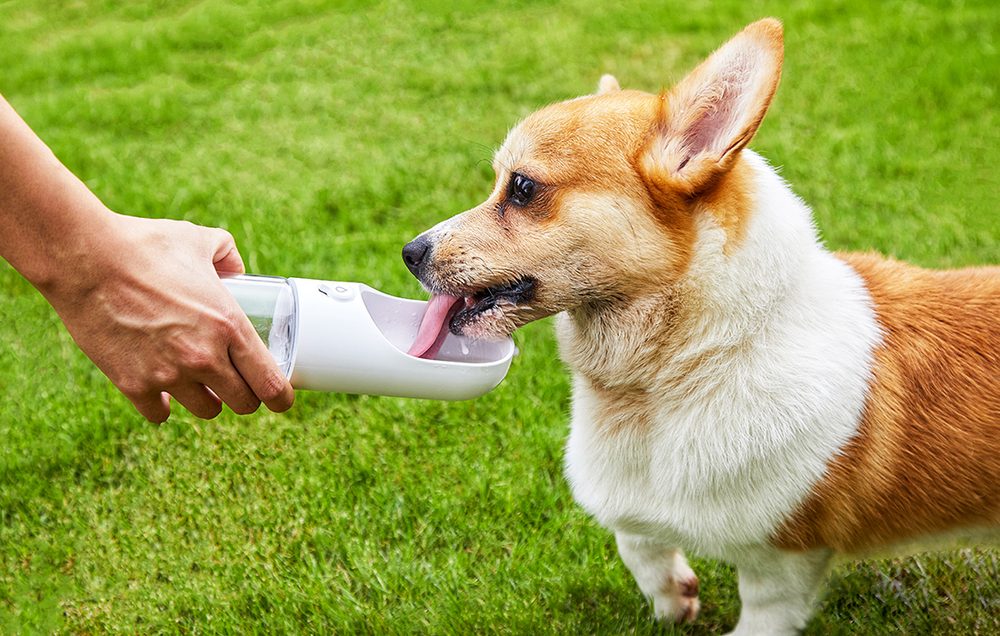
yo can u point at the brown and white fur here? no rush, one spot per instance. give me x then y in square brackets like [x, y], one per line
[738, 390]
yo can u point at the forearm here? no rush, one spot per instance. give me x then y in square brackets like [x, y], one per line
[48, 218]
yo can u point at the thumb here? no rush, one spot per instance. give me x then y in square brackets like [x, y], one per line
[225, 256]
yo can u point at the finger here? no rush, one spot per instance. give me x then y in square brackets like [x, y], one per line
[197, 399]
[232, 389]
[225, 256]
[258, 369]
[155, 407]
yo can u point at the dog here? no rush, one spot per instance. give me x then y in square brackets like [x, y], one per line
[739, 391]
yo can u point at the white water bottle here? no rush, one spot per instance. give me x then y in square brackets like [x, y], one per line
[350, 338]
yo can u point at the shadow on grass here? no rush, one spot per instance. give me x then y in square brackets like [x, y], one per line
[943, 593]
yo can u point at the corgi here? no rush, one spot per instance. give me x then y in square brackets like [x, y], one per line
[739, 391]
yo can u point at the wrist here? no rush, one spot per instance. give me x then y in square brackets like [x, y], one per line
[75, 258]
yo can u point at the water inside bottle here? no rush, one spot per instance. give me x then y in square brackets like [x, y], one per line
[269, 303]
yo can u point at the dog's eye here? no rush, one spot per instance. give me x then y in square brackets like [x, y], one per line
[521, 189]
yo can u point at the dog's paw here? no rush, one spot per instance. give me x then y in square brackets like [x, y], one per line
[677, 600]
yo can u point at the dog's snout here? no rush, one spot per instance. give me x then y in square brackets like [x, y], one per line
[415, 254]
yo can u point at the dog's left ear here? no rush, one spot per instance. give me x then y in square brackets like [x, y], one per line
[608, 84]
[714, 112]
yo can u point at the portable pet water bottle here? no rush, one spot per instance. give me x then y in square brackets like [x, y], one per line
[350, 338]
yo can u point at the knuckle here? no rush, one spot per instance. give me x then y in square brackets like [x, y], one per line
[271, 385]
[199, 360]
[226, 238]
[131, 388]
[227, 323]
[165, 376]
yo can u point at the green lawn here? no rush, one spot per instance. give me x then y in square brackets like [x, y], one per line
[325, 135]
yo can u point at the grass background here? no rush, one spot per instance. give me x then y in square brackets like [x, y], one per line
[323, 136]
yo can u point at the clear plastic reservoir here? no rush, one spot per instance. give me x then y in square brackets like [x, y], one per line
[269, 303]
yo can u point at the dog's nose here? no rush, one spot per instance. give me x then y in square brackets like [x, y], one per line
[415, 252]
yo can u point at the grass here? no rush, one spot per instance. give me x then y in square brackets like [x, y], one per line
[324, 135]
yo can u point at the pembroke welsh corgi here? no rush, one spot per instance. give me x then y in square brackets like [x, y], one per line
[739, 391]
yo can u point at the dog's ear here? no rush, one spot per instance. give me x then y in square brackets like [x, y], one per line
[713, 113]
[608, 84]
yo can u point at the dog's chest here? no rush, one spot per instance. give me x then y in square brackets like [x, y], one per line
[710, 475]
[738, 415]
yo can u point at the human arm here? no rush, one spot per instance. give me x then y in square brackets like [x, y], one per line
[141, 297]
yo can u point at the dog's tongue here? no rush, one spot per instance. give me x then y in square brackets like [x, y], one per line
[434, 325]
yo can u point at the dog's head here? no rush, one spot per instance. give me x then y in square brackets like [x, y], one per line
[596, 197]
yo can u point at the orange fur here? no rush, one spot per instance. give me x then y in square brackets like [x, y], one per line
[728, 202]
[927, 456]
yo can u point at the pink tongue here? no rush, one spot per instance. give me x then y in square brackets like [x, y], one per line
[434, 326]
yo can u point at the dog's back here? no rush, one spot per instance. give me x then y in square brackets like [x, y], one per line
[927, 455]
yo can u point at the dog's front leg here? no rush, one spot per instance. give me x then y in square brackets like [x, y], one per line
[778, 590]
[663, 575]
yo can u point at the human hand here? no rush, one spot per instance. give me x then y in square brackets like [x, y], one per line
[146, 304]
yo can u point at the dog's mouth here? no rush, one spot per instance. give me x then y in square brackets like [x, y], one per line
[455, 313]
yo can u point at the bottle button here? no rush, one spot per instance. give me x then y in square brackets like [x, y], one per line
[336, 291]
